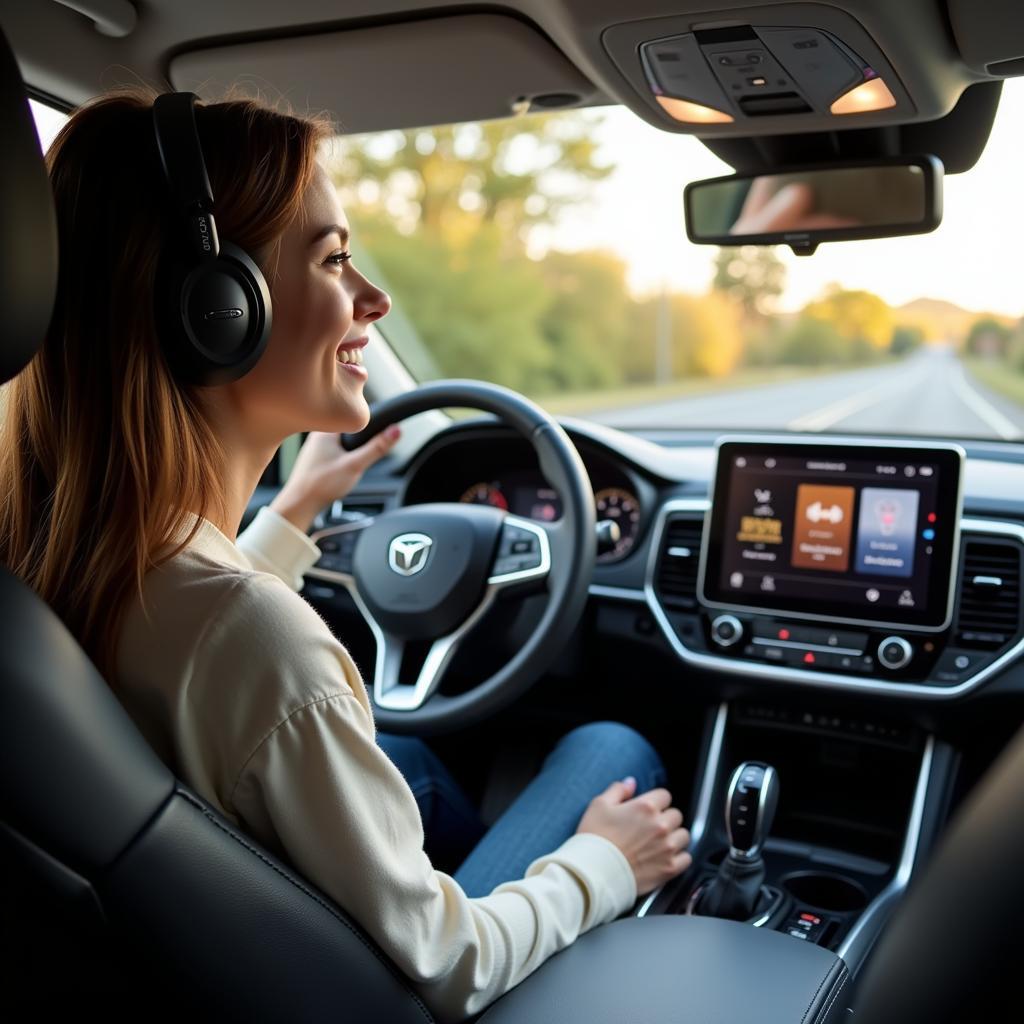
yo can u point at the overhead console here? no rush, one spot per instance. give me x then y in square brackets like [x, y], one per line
[782, 67]
[841, 563]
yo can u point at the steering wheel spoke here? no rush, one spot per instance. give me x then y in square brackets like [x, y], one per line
[524, 552]
[399, 685]
[338, 544]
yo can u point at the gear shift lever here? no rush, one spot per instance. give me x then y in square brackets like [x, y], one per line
[750, 808]
[749, 811]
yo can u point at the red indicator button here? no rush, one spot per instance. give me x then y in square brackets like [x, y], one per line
[783, 634]
[809, 658]
[932, 517]
[811, 918]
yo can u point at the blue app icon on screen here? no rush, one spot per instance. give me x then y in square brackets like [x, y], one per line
[886, 531]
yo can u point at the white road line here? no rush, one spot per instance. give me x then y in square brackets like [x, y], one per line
[823, 418]
[982, 408]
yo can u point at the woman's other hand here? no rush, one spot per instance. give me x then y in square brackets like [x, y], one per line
[324, 472]
[646, 828]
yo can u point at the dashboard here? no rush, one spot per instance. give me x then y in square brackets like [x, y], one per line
[503, 472]
[884, 568]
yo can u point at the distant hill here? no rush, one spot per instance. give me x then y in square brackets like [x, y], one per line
[940, 319]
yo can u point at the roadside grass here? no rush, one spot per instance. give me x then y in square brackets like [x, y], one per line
[997, 376]
[583, 402]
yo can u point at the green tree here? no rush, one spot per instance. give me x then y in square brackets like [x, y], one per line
[588, 322]
[988, 338]
[753, 275]
[905, 339]
[515, 173]
[477, 312]
[811, 341]
[447, 214]
[1015, 347]
[861, 317]
[706, 337]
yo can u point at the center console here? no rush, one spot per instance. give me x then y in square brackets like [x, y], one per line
[822, 569]
[843, 564]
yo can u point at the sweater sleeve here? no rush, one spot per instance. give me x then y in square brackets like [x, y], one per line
[322, 788]
[274, 545]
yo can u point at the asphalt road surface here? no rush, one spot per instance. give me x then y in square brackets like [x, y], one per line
[929, 393]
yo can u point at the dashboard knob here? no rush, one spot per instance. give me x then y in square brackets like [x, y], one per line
[726, 630]
[608, 535]
[894, 652]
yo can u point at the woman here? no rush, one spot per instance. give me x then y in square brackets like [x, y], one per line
[123, 487]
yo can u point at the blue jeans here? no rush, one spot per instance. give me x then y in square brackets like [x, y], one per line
[583, 763]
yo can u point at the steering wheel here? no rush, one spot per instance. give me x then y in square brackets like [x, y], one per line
[429, 572]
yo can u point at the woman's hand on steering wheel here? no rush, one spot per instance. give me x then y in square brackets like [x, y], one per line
[325, 472]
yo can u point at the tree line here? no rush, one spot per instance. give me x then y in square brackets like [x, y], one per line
[447, 218]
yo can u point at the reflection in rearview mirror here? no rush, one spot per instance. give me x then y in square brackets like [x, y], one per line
[802, 207]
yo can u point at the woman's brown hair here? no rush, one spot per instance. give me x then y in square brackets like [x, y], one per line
[103, 453]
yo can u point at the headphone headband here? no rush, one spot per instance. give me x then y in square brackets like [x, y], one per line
[181, 156]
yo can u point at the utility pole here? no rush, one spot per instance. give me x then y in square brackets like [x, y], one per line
[663, 338]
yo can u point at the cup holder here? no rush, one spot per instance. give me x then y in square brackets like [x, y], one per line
[826, 892]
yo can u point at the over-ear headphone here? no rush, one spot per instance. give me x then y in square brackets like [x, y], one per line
[213, 308]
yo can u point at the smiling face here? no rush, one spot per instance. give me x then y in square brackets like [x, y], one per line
[322, 307]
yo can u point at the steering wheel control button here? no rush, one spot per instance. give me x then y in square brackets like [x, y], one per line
[337, 551]
[894, 652]
[726, 630]
[519, 550]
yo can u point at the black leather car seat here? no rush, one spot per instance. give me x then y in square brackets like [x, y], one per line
[111, 866]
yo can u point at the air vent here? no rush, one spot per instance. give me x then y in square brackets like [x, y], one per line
[988, 615]
[676, 576]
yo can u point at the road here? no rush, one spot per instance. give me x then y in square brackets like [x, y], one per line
[928, 393]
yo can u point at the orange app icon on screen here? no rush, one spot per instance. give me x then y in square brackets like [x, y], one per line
[824, 521]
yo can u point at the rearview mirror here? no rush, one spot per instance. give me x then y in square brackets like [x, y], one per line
[803, 206]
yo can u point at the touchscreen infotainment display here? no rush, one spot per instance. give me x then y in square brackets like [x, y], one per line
[839, 531]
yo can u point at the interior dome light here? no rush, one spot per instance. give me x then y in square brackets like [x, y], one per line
[694, 113]
[870, 95]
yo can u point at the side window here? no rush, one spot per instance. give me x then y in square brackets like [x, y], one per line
[287, 454]
[48, 120]
[280, 466]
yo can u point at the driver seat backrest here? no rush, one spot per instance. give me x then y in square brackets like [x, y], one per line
[103, 848]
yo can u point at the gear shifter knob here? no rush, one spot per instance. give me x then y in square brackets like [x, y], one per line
[750, 807]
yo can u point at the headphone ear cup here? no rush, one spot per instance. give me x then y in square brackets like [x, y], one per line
[218, 318]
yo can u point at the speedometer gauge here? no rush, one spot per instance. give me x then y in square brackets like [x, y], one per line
[485, 494]
[622, 508]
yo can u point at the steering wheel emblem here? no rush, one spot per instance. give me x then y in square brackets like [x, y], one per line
[407, 553]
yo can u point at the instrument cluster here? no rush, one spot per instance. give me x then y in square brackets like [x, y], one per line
[504, 474]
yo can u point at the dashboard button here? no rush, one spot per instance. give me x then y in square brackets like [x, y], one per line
[726, 630]
[894, 652]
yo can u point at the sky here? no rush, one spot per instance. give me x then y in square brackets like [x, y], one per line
[974, 258]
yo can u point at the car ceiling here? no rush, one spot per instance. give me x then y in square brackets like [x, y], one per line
[377, 64]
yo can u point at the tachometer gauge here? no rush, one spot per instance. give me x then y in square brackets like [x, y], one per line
[485, 494]
[622, 508]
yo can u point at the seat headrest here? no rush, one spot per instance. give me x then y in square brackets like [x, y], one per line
[28, 227]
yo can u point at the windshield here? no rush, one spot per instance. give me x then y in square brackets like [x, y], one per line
[548, 253]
